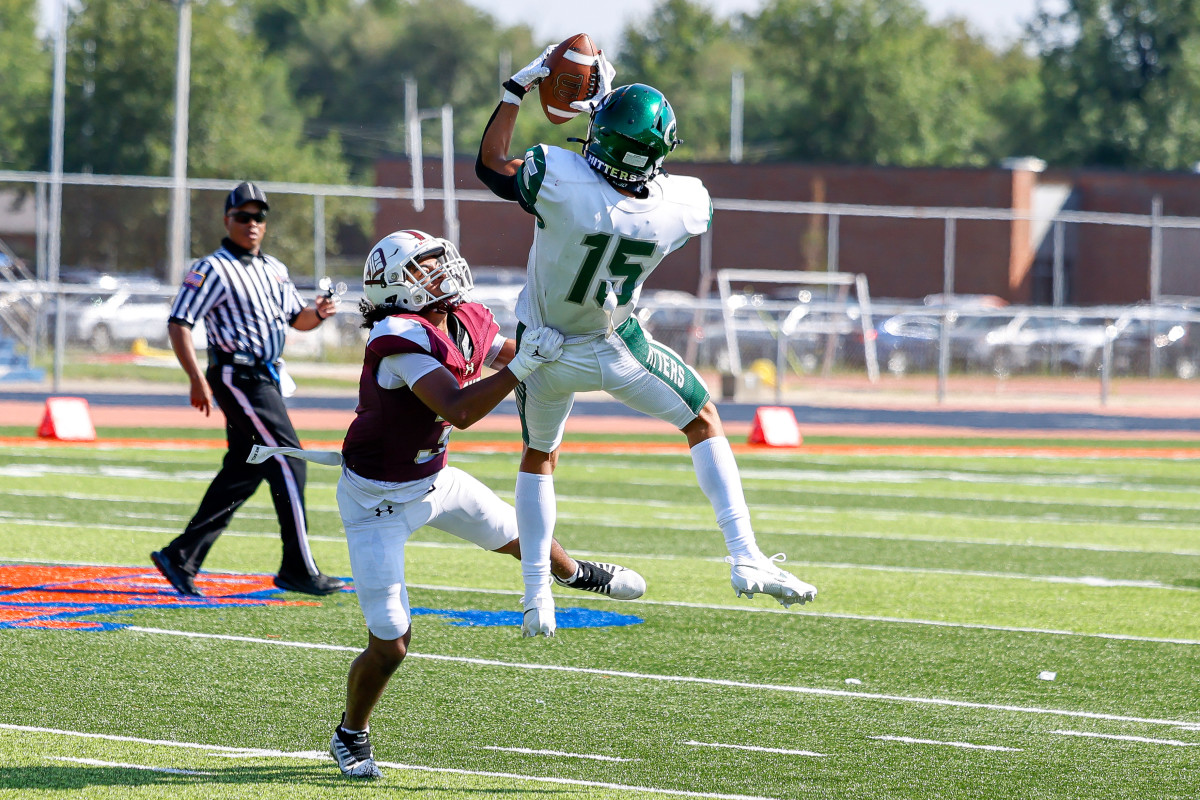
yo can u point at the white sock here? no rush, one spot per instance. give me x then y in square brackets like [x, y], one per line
[536, 512]
[717, 474]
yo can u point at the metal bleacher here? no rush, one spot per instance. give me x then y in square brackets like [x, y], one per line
[18, 320]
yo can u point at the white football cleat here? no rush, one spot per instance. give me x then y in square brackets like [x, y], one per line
[619, 583]
[539, 617]
[762, 576]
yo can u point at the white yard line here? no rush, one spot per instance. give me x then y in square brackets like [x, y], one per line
[964, 745]
[684, 679]
[35, 523]
[115, 738]
[1140, 739]
[316, 756]
[806, 494]
[1085, 580]
[754, 749]
[92, 762]
[753, 609]
[527, 751]
[763, 512]
[1098, 548]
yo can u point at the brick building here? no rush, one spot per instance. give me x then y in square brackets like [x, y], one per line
[902, 258]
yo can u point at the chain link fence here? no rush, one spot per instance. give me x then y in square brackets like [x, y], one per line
[110, 293]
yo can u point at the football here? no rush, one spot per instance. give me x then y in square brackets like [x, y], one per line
[572, 77]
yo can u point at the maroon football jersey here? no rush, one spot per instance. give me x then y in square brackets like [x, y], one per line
[394, 436]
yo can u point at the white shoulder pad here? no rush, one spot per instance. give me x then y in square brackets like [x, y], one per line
[683, 190]
[405, 328]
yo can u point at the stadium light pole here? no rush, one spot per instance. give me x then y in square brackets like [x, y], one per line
[413, 117]
[57, 133]
[412, 140]
[449, 198]
[178, 236]
[737, 101]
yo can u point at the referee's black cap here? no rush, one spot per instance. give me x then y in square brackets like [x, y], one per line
[245, 192]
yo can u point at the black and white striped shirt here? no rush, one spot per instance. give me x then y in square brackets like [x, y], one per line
[246, 301]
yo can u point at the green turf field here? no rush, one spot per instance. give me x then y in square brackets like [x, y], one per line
[950, 589]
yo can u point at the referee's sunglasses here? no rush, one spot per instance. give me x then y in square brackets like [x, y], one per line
[244, 217]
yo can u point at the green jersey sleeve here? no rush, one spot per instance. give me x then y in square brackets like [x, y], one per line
[533, 174]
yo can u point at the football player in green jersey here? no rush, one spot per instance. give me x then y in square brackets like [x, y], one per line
[604, 220]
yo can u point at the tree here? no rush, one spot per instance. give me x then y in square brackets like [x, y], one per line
[349, 63]
[859, 81]
[1007, 86]
[243, 124]
[25, 71]
[690, 56]
[1122, 83]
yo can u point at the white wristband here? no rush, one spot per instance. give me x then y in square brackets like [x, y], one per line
[509, 97]
[522, 368]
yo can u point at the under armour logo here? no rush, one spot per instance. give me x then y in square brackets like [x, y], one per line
[380, 511]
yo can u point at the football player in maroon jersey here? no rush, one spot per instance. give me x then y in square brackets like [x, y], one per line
[421, 377]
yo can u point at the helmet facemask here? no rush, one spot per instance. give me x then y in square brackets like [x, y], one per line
[395, 275]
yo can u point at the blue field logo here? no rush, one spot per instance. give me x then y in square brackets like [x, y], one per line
[564, 617]
[71, 597]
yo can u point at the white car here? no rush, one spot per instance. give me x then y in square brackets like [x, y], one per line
[106, 322]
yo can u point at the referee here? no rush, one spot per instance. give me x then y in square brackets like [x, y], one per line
[246, 300]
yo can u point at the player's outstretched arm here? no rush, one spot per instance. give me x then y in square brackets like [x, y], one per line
[493, 166]
[461, 406]
[493, 149]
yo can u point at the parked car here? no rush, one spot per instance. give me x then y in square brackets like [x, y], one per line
[911, 341]
[105, 321]
[1168, 337]
[1029, 341]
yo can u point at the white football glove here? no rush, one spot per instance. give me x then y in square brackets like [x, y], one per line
[538, 346]
[533, 72]
[605, 72]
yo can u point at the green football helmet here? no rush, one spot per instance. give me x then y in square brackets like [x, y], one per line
[632, 131]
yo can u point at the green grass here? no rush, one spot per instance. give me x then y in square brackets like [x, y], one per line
[948, 583]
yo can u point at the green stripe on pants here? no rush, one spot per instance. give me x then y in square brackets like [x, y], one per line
[665, 364]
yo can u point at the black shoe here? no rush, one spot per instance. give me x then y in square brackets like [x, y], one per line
[174, 574]
[310, 584]
[619, 583]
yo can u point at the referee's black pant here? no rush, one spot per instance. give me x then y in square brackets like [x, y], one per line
[254, 414]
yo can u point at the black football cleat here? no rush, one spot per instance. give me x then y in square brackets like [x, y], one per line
[318, 584]
[179, 580]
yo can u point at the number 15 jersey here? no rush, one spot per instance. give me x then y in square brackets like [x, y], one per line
[592, 241]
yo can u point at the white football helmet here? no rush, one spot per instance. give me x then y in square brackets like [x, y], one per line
[392, 274]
